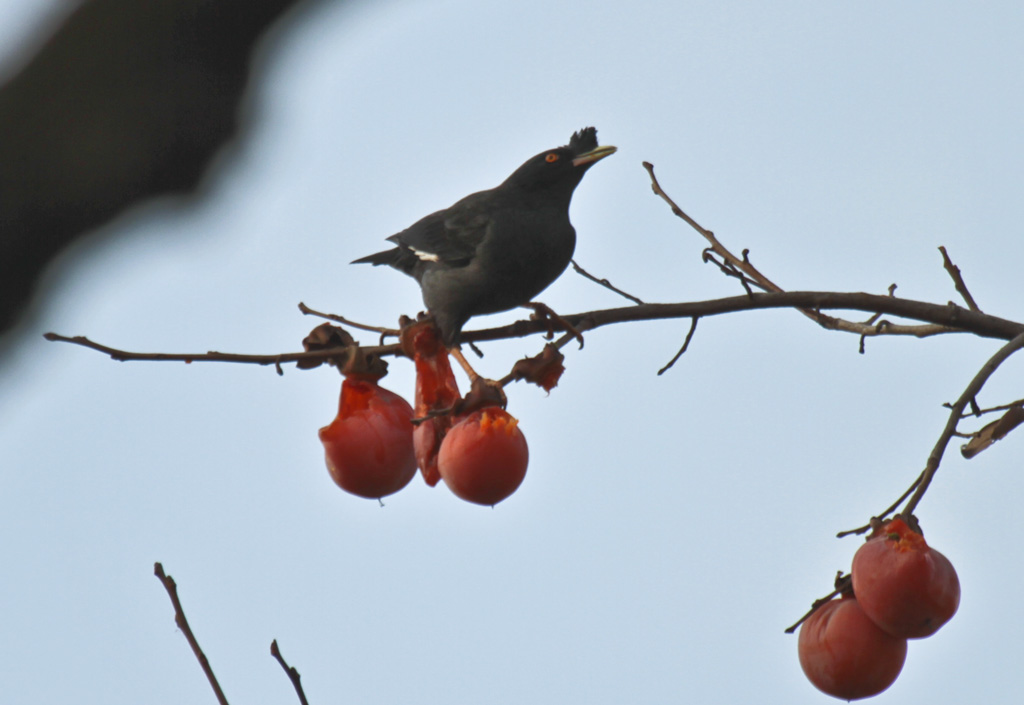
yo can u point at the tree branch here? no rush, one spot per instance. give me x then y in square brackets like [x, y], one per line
[938, 318]
[955, 414]
[179, 619]
[293, 674]
[603, 282]
[958, 280]
[686, 345]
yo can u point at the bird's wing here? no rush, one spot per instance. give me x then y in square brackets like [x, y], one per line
[448, 237]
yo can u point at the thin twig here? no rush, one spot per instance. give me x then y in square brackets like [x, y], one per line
[958, 280]
[949, 432]
[752, 274]
[212, 356]
[603, 282]
[743, 264]
[729, 270]
[989, 410]
[842, 585]
[686, 344]
[889, 510]
[293, 674]
[179, 619]
[955, 414]
[346, 322]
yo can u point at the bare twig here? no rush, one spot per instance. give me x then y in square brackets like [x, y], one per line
[293, 674]
[188, 358]
[733, 265]
[958, 280]
[603, 282]
[729, 270]
[179, 619]
[843, 584]
[889, 510]
[955, 414]
[991, 409]
[346, 322]
[740, 264]
[686, 344]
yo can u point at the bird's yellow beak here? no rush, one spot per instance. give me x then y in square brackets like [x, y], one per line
[594, 155]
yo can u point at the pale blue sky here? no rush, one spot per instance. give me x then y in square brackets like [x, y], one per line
[668, 528]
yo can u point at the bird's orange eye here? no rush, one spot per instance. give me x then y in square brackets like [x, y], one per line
[552, 157]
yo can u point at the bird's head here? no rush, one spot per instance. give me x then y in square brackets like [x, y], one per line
[560, 169]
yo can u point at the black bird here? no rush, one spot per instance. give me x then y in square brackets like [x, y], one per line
[495, 250]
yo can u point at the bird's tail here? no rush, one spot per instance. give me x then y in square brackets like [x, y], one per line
[378, 258]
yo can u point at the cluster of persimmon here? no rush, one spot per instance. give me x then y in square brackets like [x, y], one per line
[378, 439]
[900, 588]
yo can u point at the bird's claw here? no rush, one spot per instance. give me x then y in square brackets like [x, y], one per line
[546, 313]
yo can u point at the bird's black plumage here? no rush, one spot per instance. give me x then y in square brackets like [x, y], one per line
[495, 250]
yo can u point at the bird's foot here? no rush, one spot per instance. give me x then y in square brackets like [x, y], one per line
[543, 312]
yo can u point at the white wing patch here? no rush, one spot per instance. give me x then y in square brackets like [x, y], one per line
[425, 256]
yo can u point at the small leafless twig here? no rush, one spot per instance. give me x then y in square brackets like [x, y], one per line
[741, 264]
[686, 344]
[843, 583]
[604, 282]
[346, 322]
[179, 619]
[276, 359]
[889, 510]
[989, 410]
[955, 414]
[958, 280]
[293, 674]
[754, 276]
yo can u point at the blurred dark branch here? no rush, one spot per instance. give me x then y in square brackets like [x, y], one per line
[126, 101]
[179, 619]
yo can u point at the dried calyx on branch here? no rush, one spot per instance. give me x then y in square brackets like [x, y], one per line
[543, 369]
[345, 353]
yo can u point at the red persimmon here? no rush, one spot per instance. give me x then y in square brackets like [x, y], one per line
[368, 446]
[906, 587]
[844, 654]
[483, 457]
[436, 390]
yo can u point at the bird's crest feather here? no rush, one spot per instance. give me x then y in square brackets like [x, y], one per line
[583, 141]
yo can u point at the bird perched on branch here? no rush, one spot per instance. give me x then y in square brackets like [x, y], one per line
[495, 250]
